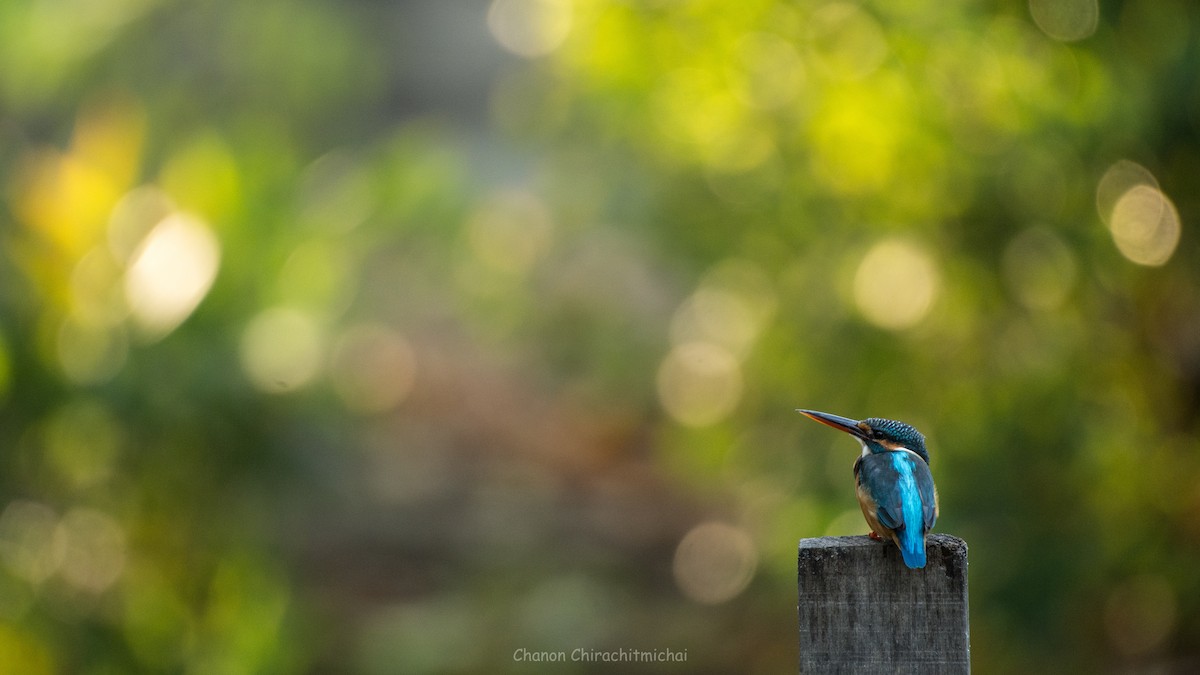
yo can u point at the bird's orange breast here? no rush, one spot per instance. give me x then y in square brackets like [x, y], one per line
[870, 511]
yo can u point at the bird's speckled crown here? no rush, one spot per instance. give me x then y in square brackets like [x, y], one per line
[904, 434]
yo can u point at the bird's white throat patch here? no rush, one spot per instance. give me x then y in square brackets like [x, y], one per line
[891, 447]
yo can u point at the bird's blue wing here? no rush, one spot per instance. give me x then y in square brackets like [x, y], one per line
[879, 476]
[929, 500]
[902, 487]
[883, 478]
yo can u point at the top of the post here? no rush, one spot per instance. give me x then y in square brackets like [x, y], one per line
[947, 542]
[943, 551]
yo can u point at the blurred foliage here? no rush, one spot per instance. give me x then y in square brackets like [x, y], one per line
[396, 337]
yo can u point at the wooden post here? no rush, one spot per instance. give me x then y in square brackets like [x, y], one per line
[862, 611]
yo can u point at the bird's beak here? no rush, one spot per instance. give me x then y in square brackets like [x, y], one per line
[836, 421]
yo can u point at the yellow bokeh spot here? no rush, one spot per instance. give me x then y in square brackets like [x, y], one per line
[895, 285]
[66, 200]
[67, 197]
[699, 383]
[281, 349]
[714, 562]
[170, 273]
[530, 28]
[857, 135]
[1145, 226]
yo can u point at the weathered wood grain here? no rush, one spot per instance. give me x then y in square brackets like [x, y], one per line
[862, 611]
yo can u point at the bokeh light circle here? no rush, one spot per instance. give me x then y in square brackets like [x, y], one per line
[281, 349]
[714, 562]
[895, 285]
[699, 383]
[1116, 181]
[1066, 20]
[1140, 614]
[530, 28]
[171, 272]
[373, 368]
[1145, 226]
[1039, 268]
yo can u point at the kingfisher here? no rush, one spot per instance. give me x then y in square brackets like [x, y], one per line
[892, 480]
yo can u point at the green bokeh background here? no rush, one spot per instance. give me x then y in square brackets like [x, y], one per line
[395, 337]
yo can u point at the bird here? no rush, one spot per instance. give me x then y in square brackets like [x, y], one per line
[892, 480]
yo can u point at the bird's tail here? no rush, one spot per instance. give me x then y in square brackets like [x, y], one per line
[912, 546]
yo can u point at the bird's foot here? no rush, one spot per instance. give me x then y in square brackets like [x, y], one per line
[874, 535]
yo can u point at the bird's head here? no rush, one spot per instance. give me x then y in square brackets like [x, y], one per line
[875, 433]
